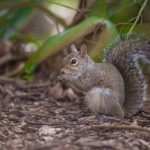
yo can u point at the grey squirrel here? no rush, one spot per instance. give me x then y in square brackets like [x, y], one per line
[116, 87]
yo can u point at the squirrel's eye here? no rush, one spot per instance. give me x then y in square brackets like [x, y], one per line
[74, 61]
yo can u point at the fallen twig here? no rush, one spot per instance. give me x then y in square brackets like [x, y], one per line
[123, 127]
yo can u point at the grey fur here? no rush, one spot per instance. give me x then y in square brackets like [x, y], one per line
[115, 87]
[125, 57]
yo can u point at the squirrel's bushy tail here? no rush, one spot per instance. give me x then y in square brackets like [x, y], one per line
[124, 56]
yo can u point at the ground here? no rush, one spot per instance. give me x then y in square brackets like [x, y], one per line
[38, 116]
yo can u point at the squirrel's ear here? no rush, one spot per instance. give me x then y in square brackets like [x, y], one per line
[83, 50]
[73, 48]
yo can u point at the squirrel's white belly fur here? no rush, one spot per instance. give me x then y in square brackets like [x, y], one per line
[96, 99]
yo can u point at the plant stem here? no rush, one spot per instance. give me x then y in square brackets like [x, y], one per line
[137, 18]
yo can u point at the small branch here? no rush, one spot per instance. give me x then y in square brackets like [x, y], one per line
[123, 127]
[15, 72]
[37, 85]
[6, 58]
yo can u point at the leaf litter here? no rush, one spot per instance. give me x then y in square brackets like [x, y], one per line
[39, 115]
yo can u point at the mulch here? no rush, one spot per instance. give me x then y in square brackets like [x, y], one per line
[40, 115]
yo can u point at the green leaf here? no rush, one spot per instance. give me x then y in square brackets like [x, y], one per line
[29, 77]
[58, 42]
[29, 69]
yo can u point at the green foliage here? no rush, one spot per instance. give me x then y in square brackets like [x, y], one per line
[121, 17]
[28, 70]
[15, 14]
[10, 23]
[29, 77]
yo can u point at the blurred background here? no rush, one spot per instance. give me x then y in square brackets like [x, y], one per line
[37, 112]
[31, 45]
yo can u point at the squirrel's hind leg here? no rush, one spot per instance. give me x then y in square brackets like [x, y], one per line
[115, 108]
[104, 101]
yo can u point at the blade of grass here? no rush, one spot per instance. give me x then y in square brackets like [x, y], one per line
[137, 18]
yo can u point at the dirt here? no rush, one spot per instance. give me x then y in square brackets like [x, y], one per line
[38, 116]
